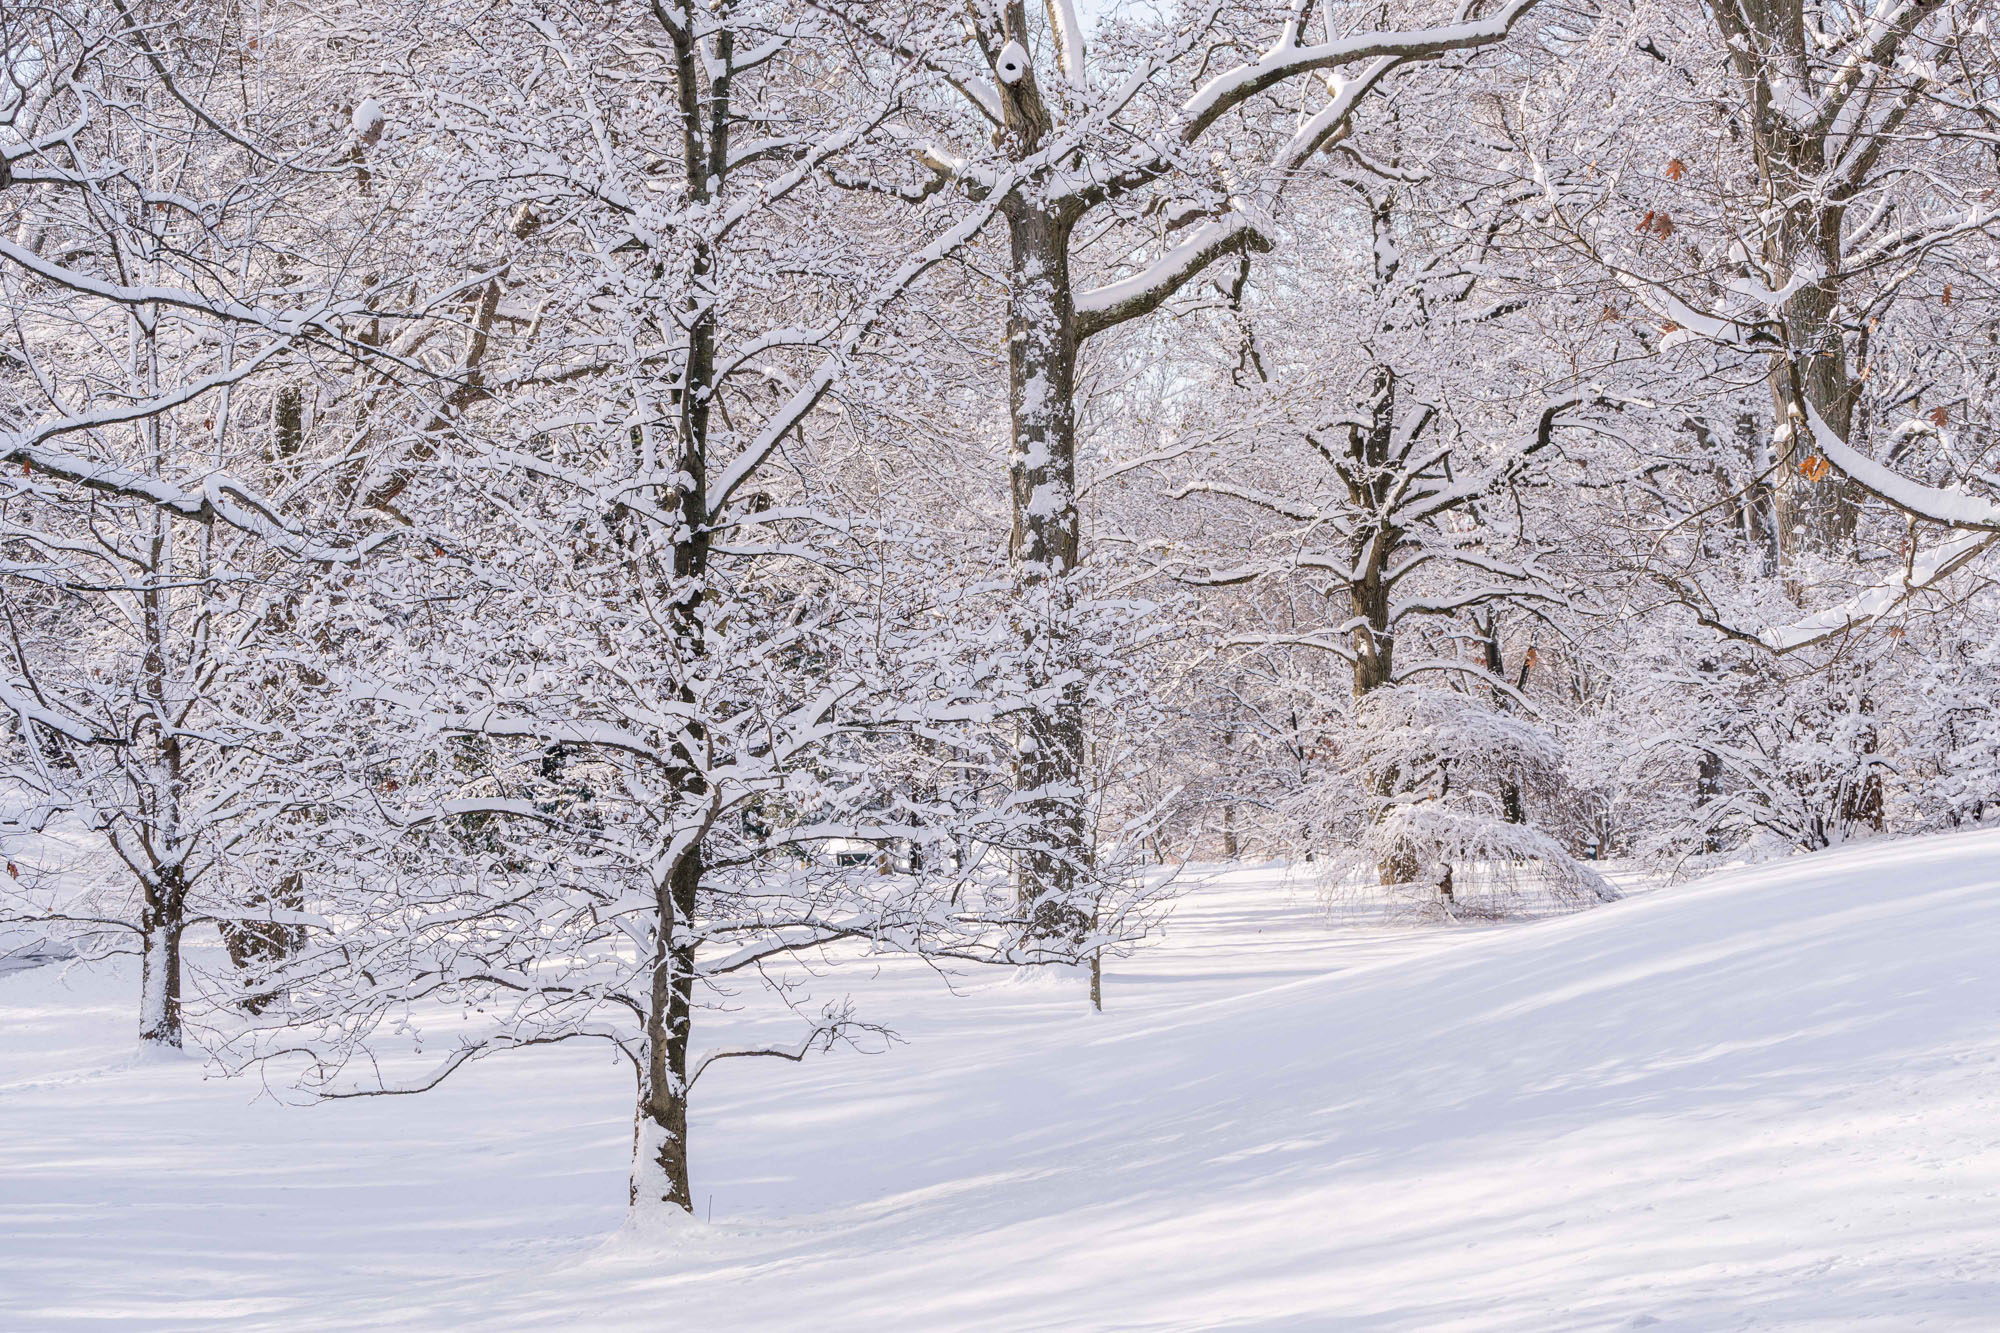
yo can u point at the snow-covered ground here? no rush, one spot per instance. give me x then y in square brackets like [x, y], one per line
[1769, 1099]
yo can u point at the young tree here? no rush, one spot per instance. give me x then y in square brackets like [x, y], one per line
[647, 687]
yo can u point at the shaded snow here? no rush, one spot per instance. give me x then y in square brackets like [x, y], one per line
[1768, 1099]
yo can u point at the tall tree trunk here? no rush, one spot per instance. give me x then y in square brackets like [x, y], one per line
[1041, 354]
[660, 1144]
[660, 1129]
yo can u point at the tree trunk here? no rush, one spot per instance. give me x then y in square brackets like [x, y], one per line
[1370, 478]
[1817, 509]
[1399, 867]
[256, 944]
[1511, 808]
[1861, 802]
[660, 1121]
[1707, 787]
[660, 1146]
[1041, 351]
[1760, 503]
[659, 1136]
[161, 920]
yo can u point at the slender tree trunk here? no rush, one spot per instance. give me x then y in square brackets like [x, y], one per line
[660, 1143]
[1707, 787]
[1229, 734]
[1510, 791]
[660, 1130]
[162, 912]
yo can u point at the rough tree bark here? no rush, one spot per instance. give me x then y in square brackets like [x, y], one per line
[1042, 346]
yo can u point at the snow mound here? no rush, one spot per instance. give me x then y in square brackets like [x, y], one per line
[1770, 1099]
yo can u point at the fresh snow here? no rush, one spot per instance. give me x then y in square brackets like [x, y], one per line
[1767, 1099]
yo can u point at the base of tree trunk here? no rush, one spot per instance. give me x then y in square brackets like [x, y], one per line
[659, 1162]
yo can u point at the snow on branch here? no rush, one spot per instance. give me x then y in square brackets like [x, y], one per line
[1952, 508]
[1110, 305]
[220, 497]
[1068, 28]
[29, 709]
[1923, 571]
[1232, 88]
[1866, 607]
[807, 396]
[283, 323]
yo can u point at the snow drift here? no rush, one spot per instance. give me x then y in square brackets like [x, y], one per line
[1768, 1099]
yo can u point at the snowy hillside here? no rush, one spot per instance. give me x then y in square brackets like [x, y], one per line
[1771, 1099]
